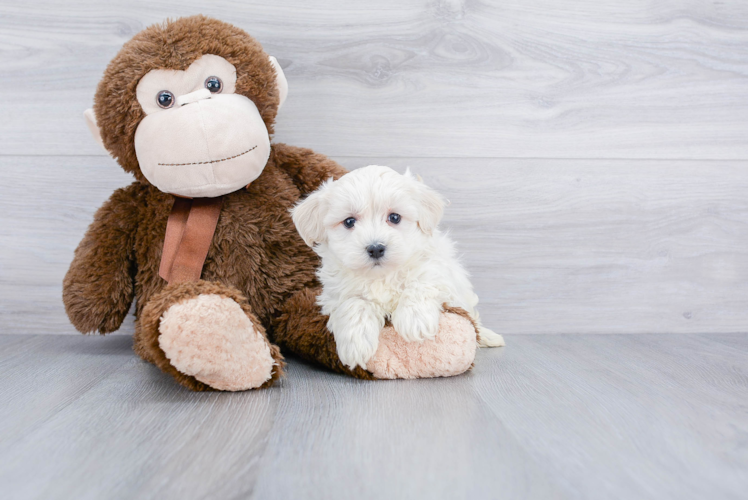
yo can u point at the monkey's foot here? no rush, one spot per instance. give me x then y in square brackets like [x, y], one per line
[450, 353]
[211, 338]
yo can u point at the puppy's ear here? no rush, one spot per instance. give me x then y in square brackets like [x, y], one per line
[430, 205]
[309, 214]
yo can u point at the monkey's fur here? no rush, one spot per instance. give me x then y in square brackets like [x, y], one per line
[256, 257]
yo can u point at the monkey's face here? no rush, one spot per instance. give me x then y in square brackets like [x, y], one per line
[188, 106]
[199, 138]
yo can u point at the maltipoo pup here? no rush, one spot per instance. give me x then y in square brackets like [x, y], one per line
[383, 257]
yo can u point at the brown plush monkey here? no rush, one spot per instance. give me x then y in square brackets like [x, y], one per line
[203, 239]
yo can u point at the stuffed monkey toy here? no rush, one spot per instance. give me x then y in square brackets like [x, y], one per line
[203, 240]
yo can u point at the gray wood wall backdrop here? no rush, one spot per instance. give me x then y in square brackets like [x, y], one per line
[594, 151]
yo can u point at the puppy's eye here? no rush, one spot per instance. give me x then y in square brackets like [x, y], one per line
[349, 222]
[394, 218]
[214, 84]
[165, 99]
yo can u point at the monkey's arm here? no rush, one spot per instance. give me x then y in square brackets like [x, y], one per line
[307, 169]
[98, 288]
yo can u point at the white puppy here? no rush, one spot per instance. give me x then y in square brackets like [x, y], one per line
[383, 256]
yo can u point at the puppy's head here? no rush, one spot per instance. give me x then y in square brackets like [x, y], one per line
[371, 218]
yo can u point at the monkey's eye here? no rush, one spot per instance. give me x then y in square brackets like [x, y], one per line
[349, 222]
[394, 218]
[214, 84]
[165, 99]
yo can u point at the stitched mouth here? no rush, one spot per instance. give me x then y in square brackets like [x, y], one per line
[206, 162]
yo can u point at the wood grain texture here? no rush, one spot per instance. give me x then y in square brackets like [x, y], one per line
[429, 438]
[549, 416]
[133, 434]
[554, 246]
[457, 78]
[44, 376]
[635, 416]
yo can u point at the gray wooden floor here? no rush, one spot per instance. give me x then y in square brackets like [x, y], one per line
[551, 416]
[595, 157]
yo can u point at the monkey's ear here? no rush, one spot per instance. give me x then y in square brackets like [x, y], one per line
[280, 80]
[93, 127]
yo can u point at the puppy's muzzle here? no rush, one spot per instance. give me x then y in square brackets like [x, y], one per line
[376, 251]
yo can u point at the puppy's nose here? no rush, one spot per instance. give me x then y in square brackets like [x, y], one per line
[376, 251]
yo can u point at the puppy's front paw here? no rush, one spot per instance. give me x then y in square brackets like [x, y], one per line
[356, 325]
[417, 321]
[357, 345]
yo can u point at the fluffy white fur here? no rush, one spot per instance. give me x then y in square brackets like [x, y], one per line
[417, 274]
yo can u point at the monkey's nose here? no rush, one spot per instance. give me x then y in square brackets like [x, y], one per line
[376, 251]
[195, 96]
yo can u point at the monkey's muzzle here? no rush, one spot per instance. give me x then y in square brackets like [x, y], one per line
[206, 146]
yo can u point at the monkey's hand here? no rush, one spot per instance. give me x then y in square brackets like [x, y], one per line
[98, 288]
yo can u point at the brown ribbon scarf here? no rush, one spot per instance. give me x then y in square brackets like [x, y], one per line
[189, 232]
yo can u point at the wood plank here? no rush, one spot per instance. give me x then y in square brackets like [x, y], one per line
[735, 340]
[631, 416]
[593, 246]
[545, 78]
[43, 374]
[338, 438]
[136, 434]
[549, 416]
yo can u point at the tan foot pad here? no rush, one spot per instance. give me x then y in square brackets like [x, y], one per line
[452, 352]
[210, 338]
